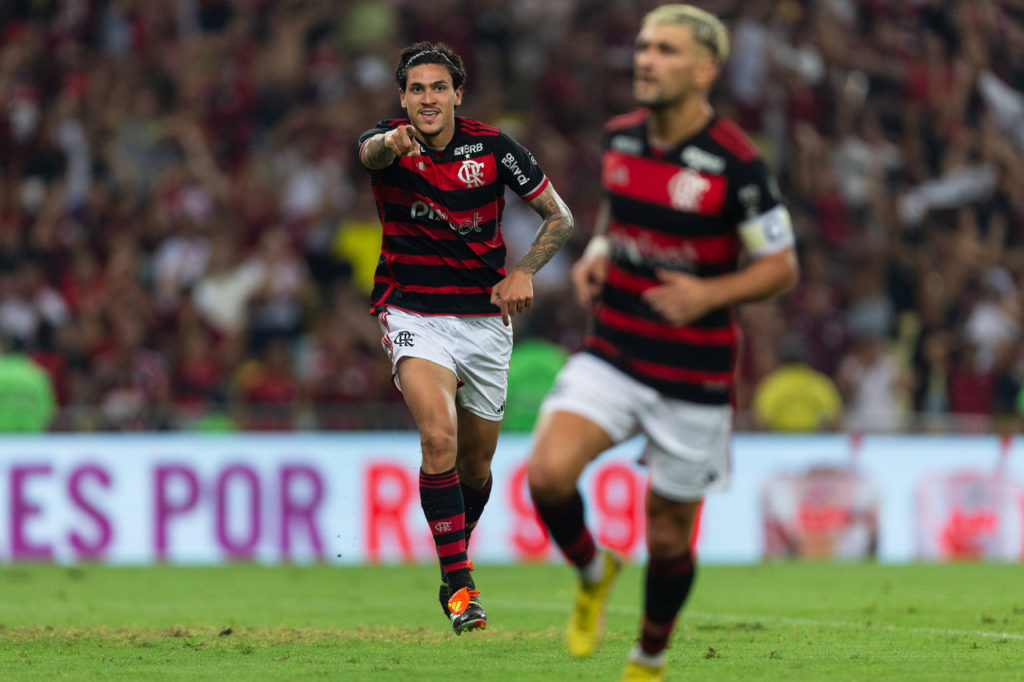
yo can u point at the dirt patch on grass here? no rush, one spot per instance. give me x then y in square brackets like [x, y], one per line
[253, 636]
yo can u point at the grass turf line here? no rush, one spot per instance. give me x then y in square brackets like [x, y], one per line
[814, 621]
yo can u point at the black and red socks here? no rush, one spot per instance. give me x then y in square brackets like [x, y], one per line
[441, 499]
[668, 584]
[565, 521]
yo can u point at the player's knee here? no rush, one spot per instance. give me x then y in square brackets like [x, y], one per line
[666, 542]
[474, 470]
[668, 534]
[438, 446]
[547, 481]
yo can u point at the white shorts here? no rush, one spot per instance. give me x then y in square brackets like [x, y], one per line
[687, 444]
[476, 349]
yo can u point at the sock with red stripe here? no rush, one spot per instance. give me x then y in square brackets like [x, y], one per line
[565, 522]
[668, 584]
[441, 499]
[475, 501]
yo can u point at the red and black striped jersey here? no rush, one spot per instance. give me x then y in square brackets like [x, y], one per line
[675, 209]
[442, 247]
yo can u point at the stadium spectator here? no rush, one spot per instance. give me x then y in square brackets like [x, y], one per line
[29, 304]
[221, 296]
[133, 377]
[82, 286]
[179, 262]
[341, 367]
[685, 193]
[269, 393]
[285, 293]
[814, 310]
[795, 397]
[199, 378]
[443, 295]
[873, 385]
[27, 403]
[931, 367]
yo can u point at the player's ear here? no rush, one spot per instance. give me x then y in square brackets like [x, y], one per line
[707, 71]
[458, 95]
[401, 96]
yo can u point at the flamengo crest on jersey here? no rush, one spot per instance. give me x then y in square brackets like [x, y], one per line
[442, 248]
[472, 173]
[679, 209]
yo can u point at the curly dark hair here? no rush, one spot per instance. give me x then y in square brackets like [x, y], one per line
[430, 53]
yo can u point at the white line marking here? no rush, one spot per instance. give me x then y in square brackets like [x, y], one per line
[782, 620]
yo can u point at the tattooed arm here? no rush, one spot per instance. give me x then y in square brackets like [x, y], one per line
[551, 235]
[381, 150]
[514, 294]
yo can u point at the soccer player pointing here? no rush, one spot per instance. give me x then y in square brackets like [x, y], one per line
[443, 296]
[685, 192]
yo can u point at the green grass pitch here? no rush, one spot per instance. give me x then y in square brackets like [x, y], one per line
[786, 621]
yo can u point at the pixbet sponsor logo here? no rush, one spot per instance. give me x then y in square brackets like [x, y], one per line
[421, 209]
[644, 251]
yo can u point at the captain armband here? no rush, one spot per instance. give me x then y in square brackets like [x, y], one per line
[598, 246]
[768, 233]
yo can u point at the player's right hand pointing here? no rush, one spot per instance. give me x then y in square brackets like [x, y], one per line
[402, 141]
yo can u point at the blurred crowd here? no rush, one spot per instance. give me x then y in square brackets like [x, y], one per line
[187, 238]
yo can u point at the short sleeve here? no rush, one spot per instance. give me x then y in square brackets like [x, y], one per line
[518, 169]
[755, 205]
[752, 191]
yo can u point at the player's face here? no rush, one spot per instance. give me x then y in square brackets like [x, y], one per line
[430, 100]
[669, 65]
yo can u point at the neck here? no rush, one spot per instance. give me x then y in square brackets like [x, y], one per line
[670, 125]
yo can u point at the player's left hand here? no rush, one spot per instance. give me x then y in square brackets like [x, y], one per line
[513, 295]
[680, 298]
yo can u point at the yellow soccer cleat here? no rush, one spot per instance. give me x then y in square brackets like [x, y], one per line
[638, 672]
[643, 667]
[586, 622]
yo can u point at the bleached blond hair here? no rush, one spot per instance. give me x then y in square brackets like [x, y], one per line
[706, 27]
